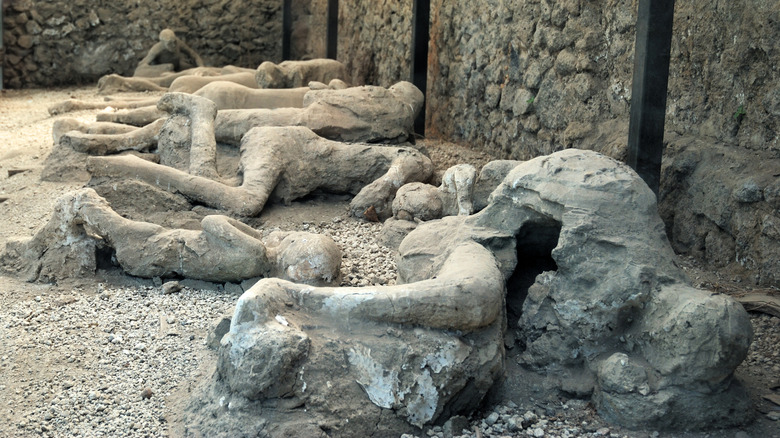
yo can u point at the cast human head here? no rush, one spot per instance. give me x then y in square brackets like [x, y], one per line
[168, 38]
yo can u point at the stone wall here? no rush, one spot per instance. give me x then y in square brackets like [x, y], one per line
[556, 74]
[375, 40]
[522, 78]
[544, 75]
[54, 42]
[310, 20]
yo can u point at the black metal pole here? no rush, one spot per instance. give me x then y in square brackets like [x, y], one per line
[2, 50]
[286, 28]
[649, 89]
[421, 18]
[333, 29]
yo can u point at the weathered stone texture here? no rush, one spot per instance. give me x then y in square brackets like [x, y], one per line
[526, 78]
[64, 42]
[553, 75]
[375, 40]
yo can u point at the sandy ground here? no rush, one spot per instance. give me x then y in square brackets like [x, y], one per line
[30, 377]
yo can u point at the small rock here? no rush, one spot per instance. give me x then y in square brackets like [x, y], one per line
[146, 393]
[492, 418]
[514, 423]
[749, 192]
[538, 432]
[455, 425]
[219, 328]
[64, 300]
[774, 415]
[171, 287]
[370, 214]
[603, 431]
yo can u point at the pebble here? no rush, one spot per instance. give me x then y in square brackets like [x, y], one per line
[171, 287]
[98, 392]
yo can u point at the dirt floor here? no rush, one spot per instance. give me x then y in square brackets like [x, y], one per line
[41, 372]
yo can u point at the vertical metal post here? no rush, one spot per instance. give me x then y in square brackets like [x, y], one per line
[333, 29]
[421, 19]
[649, 89]
[286, 28]
[2, 50]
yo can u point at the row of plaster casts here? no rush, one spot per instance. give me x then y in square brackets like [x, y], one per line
[287, 74]
[358, 114]
[617, 309]
[275, 162]
[226, 94]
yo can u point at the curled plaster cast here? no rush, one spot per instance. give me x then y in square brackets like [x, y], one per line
[223, 250]
[612, 308]
[290, 74]
[443, 354]
[170, 54]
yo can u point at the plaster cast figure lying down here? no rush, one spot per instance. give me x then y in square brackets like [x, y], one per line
[224, 250]
[288, 74]
[114, 83]
[357, 114]
[226, 94]
[284, 164]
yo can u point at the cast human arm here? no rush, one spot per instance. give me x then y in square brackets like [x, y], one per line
[152, 55]
[193, 54]
[466, 294]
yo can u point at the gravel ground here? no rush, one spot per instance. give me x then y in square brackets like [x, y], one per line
[110, 356]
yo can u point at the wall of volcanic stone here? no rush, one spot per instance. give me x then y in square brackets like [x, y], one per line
[555, 74]
[53, 42]
[375, 40]
[523, 78]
